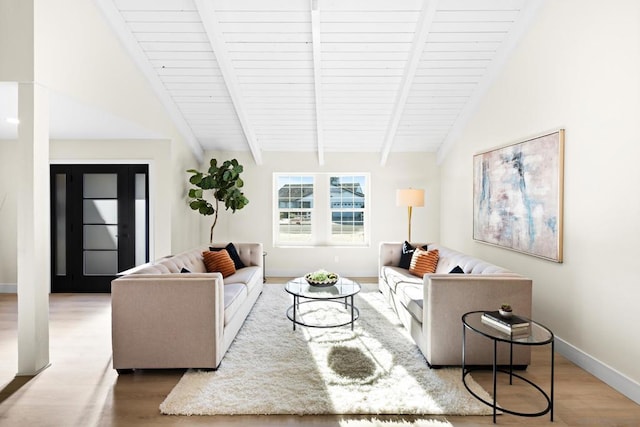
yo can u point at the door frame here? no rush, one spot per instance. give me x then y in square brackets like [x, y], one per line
[74, 215]
[150, 184]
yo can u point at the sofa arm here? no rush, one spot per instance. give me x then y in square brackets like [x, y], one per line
[167, 320]
[250, 253]
[448, 296]
[389, 254]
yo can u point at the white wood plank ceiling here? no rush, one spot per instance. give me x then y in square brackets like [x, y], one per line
[320, 75]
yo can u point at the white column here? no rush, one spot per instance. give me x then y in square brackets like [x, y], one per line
[34, 246]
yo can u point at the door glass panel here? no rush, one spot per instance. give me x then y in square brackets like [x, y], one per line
[61, 223]
[100, 223]
[100, 211]
[102, 237]
[100, 186]
[98, 263]
[141, 219]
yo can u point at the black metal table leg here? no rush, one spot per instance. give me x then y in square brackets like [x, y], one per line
[464, 344]
[495, 374]
[352, 312]
[511, 363]
[295, 307]
[552, 374]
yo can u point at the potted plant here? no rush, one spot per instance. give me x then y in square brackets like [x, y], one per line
[224, 181]
[506, 310]
[321, 278]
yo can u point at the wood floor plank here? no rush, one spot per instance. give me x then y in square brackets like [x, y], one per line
[81, 389]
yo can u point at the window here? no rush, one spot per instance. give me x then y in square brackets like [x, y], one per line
[295, 208]
[347, 204]
[321, 209]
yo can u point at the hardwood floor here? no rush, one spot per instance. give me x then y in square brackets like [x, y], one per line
[81, 389]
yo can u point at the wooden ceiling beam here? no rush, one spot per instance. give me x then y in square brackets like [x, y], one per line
[427, 15]
[317, 77]
[212, 28]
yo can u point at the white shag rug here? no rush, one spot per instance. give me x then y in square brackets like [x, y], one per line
[374, 369]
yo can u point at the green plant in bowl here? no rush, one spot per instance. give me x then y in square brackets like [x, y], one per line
[321, 277]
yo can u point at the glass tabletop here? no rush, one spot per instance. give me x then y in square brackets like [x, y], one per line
[343, 288]
[536, 333]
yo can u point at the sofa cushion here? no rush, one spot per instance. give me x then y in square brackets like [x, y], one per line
[234, 295]
[411, 295]
[407, 253]
[233, 253]
[219, 261]
[393, 276]
[423, 262]
[248, 276]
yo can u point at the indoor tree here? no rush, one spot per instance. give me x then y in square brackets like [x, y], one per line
[224, 181]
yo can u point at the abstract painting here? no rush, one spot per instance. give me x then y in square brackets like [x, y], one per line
[517, 196]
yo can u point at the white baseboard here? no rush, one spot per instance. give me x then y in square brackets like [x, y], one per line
[8, 288]
[600, 370]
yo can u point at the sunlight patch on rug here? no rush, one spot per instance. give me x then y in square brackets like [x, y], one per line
[374, 369]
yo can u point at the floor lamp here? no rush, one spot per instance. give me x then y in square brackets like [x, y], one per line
[409, 197]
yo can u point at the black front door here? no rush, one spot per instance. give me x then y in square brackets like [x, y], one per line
[99, 224]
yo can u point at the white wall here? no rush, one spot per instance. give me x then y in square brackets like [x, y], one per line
[578, 68]
[16, 64]
[16, 40]
[9, 170]
[388, 222]
[185, 229]
[79, 56]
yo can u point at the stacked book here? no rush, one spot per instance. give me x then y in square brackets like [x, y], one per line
[514, 325]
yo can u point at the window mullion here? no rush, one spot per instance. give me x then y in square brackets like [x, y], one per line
[322, 222]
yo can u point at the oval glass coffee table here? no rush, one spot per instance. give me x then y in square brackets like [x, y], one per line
[341, 293]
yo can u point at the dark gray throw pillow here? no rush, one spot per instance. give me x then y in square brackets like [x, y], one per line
[457, 269]
[406, 254]
[233, 253]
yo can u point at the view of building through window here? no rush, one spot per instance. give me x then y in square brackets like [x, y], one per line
[295, 206]
[347, 202]
[321, 209]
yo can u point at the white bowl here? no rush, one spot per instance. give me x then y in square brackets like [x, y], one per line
[505, 314]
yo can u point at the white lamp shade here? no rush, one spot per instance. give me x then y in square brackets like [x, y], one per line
[410, 197]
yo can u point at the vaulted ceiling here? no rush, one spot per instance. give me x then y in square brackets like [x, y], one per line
[320, 75]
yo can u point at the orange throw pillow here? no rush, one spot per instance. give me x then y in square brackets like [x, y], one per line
[423, 262]
[219, 261]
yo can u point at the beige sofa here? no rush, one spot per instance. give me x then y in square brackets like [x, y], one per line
[162, 318]
[431, 307]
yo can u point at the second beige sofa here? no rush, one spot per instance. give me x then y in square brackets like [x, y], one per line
[431, 307]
